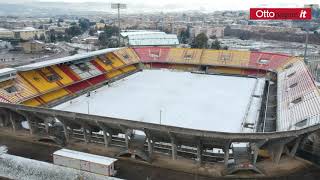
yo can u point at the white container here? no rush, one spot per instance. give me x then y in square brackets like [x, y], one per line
[85, 162]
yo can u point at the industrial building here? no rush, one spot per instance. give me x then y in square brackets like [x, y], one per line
[148, 38]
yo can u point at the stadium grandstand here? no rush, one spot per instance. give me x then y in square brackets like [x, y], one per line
[282, 107]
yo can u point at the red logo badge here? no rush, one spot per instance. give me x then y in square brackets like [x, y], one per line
[280, 13]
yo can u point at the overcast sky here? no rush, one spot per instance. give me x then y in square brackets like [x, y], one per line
[198, 4]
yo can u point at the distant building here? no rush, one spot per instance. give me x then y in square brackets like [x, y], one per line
[318, 73]
[215, 31]
[100, 26]
[149, 38]
[28, 33]
[7, 74]
[85, 162]
[209, 31]
[6, 33]
[264, 28]
[46, 26]
[75, 39]
[91, 40]
[315, 9]
[313, 6]
[58, 29]
[33, 46]
[4, 44]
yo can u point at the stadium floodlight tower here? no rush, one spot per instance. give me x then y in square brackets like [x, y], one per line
[118, 6]
[307, 27]
[305, 58]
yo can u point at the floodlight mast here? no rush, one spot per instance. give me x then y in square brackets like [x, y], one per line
[118, 6]
[307, 28]
[305, 58]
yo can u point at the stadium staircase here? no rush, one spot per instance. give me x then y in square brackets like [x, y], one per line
[241, 155]
[243, 161]
[136, 148]
[271, 109]
[268, 114]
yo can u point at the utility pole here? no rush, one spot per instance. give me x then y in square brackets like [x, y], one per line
[160, 116]
[118, 6]
[307, 27]
[119, 27]
[88, 107]
[305, 59]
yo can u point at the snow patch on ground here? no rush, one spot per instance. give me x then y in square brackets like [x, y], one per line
[183, 99]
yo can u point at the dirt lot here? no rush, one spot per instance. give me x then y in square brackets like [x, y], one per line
[127, 169]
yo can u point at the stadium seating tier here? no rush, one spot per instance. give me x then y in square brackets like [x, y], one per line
[152, 54]
[298, 97]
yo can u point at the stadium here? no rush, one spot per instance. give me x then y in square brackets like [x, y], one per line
[223, 106]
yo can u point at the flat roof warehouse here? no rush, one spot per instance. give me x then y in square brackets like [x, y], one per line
[85, 156]
[150, 38]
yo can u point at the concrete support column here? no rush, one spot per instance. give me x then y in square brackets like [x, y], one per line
[4, 117]
[173, 148]
[207, 70]
[199, 152]
[32, 129]
[127, 132]
[107, 138]
[150, 142]
[66, 133]
[226, 153]
[71, 132]
[13, 122]
[85, 135]
[286, 151]
[277, 151]
[141, 66]
[106, 130]
[2, 121]
[295, 146]
[255, 147]
[126, 136]
[90, 134]
[150, 146]
[255, 155]
[316, 144]
[46, 125]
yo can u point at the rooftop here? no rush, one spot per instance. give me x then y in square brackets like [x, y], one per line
[5, 71]
[16, 167]
[3, 29]
[150, 38]
[64, 59]
[85, 156]
[25, 29]
[141, 32]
